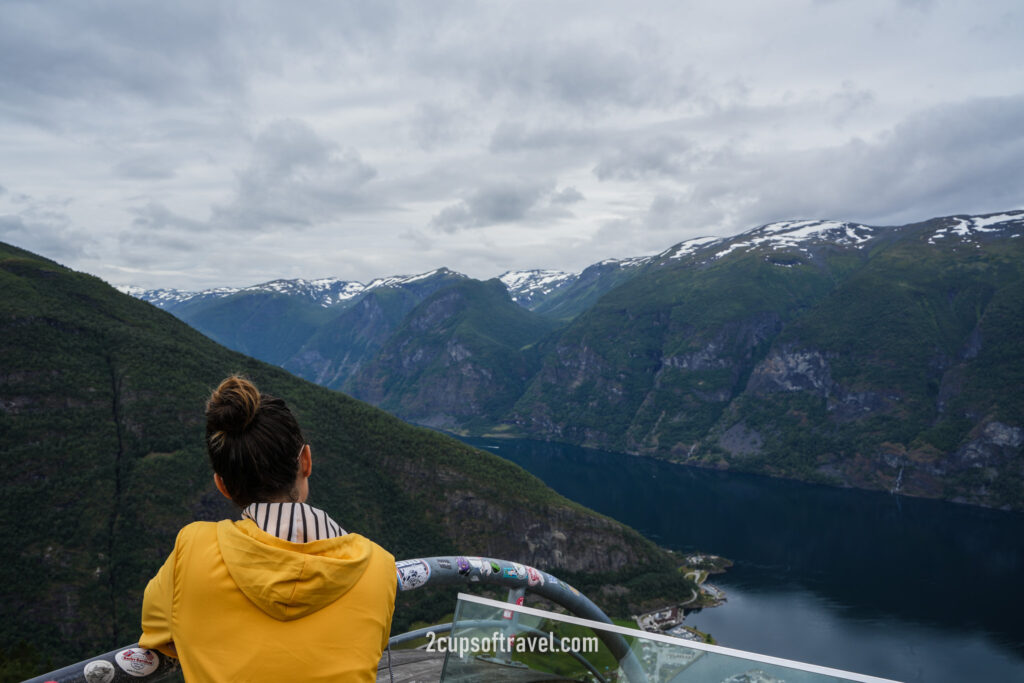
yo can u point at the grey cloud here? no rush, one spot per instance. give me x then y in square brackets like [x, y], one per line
[498, 203]
[455, 217]
[147, 247]
[67, 66]
[621, 71]
[567, 195]
[155, 217]
[663, 211]
[692, 123]
[959, 158]
[434, 124]
[918, 4]
[848, 101]
[950, 159]
[417, 237]
[525, 55]
[158, 51]
[47, 233]
[149, 167]
[295, 178]
[644, 157]
[515, 136]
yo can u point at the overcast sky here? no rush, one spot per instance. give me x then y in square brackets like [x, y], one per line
[195, 144]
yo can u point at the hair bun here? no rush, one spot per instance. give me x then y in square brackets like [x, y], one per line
[233, 405]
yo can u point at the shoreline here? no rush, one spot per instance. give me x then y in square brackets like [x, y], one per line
[669, 619]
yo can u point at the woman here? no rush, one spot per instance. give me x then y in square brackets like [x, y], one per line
[282, 594]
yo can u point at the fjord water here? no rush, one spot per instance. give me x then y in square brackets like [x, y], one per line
[908, 589]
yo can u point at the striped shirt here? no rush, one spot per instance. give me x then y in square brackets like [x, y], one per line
[295, 522]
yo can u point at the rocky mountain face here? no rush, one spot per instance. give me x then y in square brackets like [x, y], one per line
[465, 352]
[102, 459]
[877, 357]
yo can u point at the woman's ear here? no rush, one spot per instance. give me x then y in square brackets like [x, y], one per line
[220, 486]
[306, 461]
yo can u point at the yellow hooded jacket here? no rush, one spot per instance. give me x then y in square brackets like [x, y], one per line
[239, 604]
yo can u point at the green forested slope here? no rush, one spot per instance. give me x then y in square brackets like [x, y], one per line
[270, 326]
[102, 459]
[655, 362]
[353, 336]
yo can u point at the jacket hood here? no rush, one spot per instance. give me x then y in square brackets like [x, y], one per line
[291, 580]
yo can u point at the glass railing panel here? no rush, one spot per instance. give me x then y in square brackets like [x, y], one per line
[497, 641]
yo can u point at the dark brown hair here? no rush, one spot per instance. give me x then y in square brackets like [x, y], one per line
[253, 441]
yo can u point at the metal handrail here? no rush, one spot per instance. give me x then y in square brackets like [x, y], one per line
[132, 664]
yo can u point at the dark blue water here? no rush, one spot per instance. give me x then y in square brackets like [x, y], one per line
[913, 590]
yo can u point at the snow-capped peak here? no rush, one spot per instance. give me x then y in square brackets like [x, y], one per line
[830, 231]
[167, 297]
[324, 291]
[796, 234]
[399, 280]
[525, 285]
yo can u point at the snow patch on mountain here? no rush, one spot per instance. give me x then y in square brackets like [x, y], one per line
[632, 262]
[326, 292]
[163, 298]
[966, 227]
[688, 247]
[797, 235]
[524, 285]
[323, 291]
[399, 280]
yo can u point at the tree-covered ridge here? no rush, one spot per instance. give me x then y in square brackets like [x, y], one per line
[102, 458]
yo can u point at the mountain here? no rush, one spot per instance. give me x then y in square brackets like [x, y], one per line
[563, 296]
[464, 352]
[321, 330]
[265, 324]
[529, 287]
[326, 346]
[339, 345]
[884, 358]
[102, 459]
[323, 292]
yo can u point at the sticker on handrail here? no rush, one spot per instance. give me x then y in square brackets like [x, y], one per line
[534, 577]
[98, 671]
[137, 662]
[412, 573]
